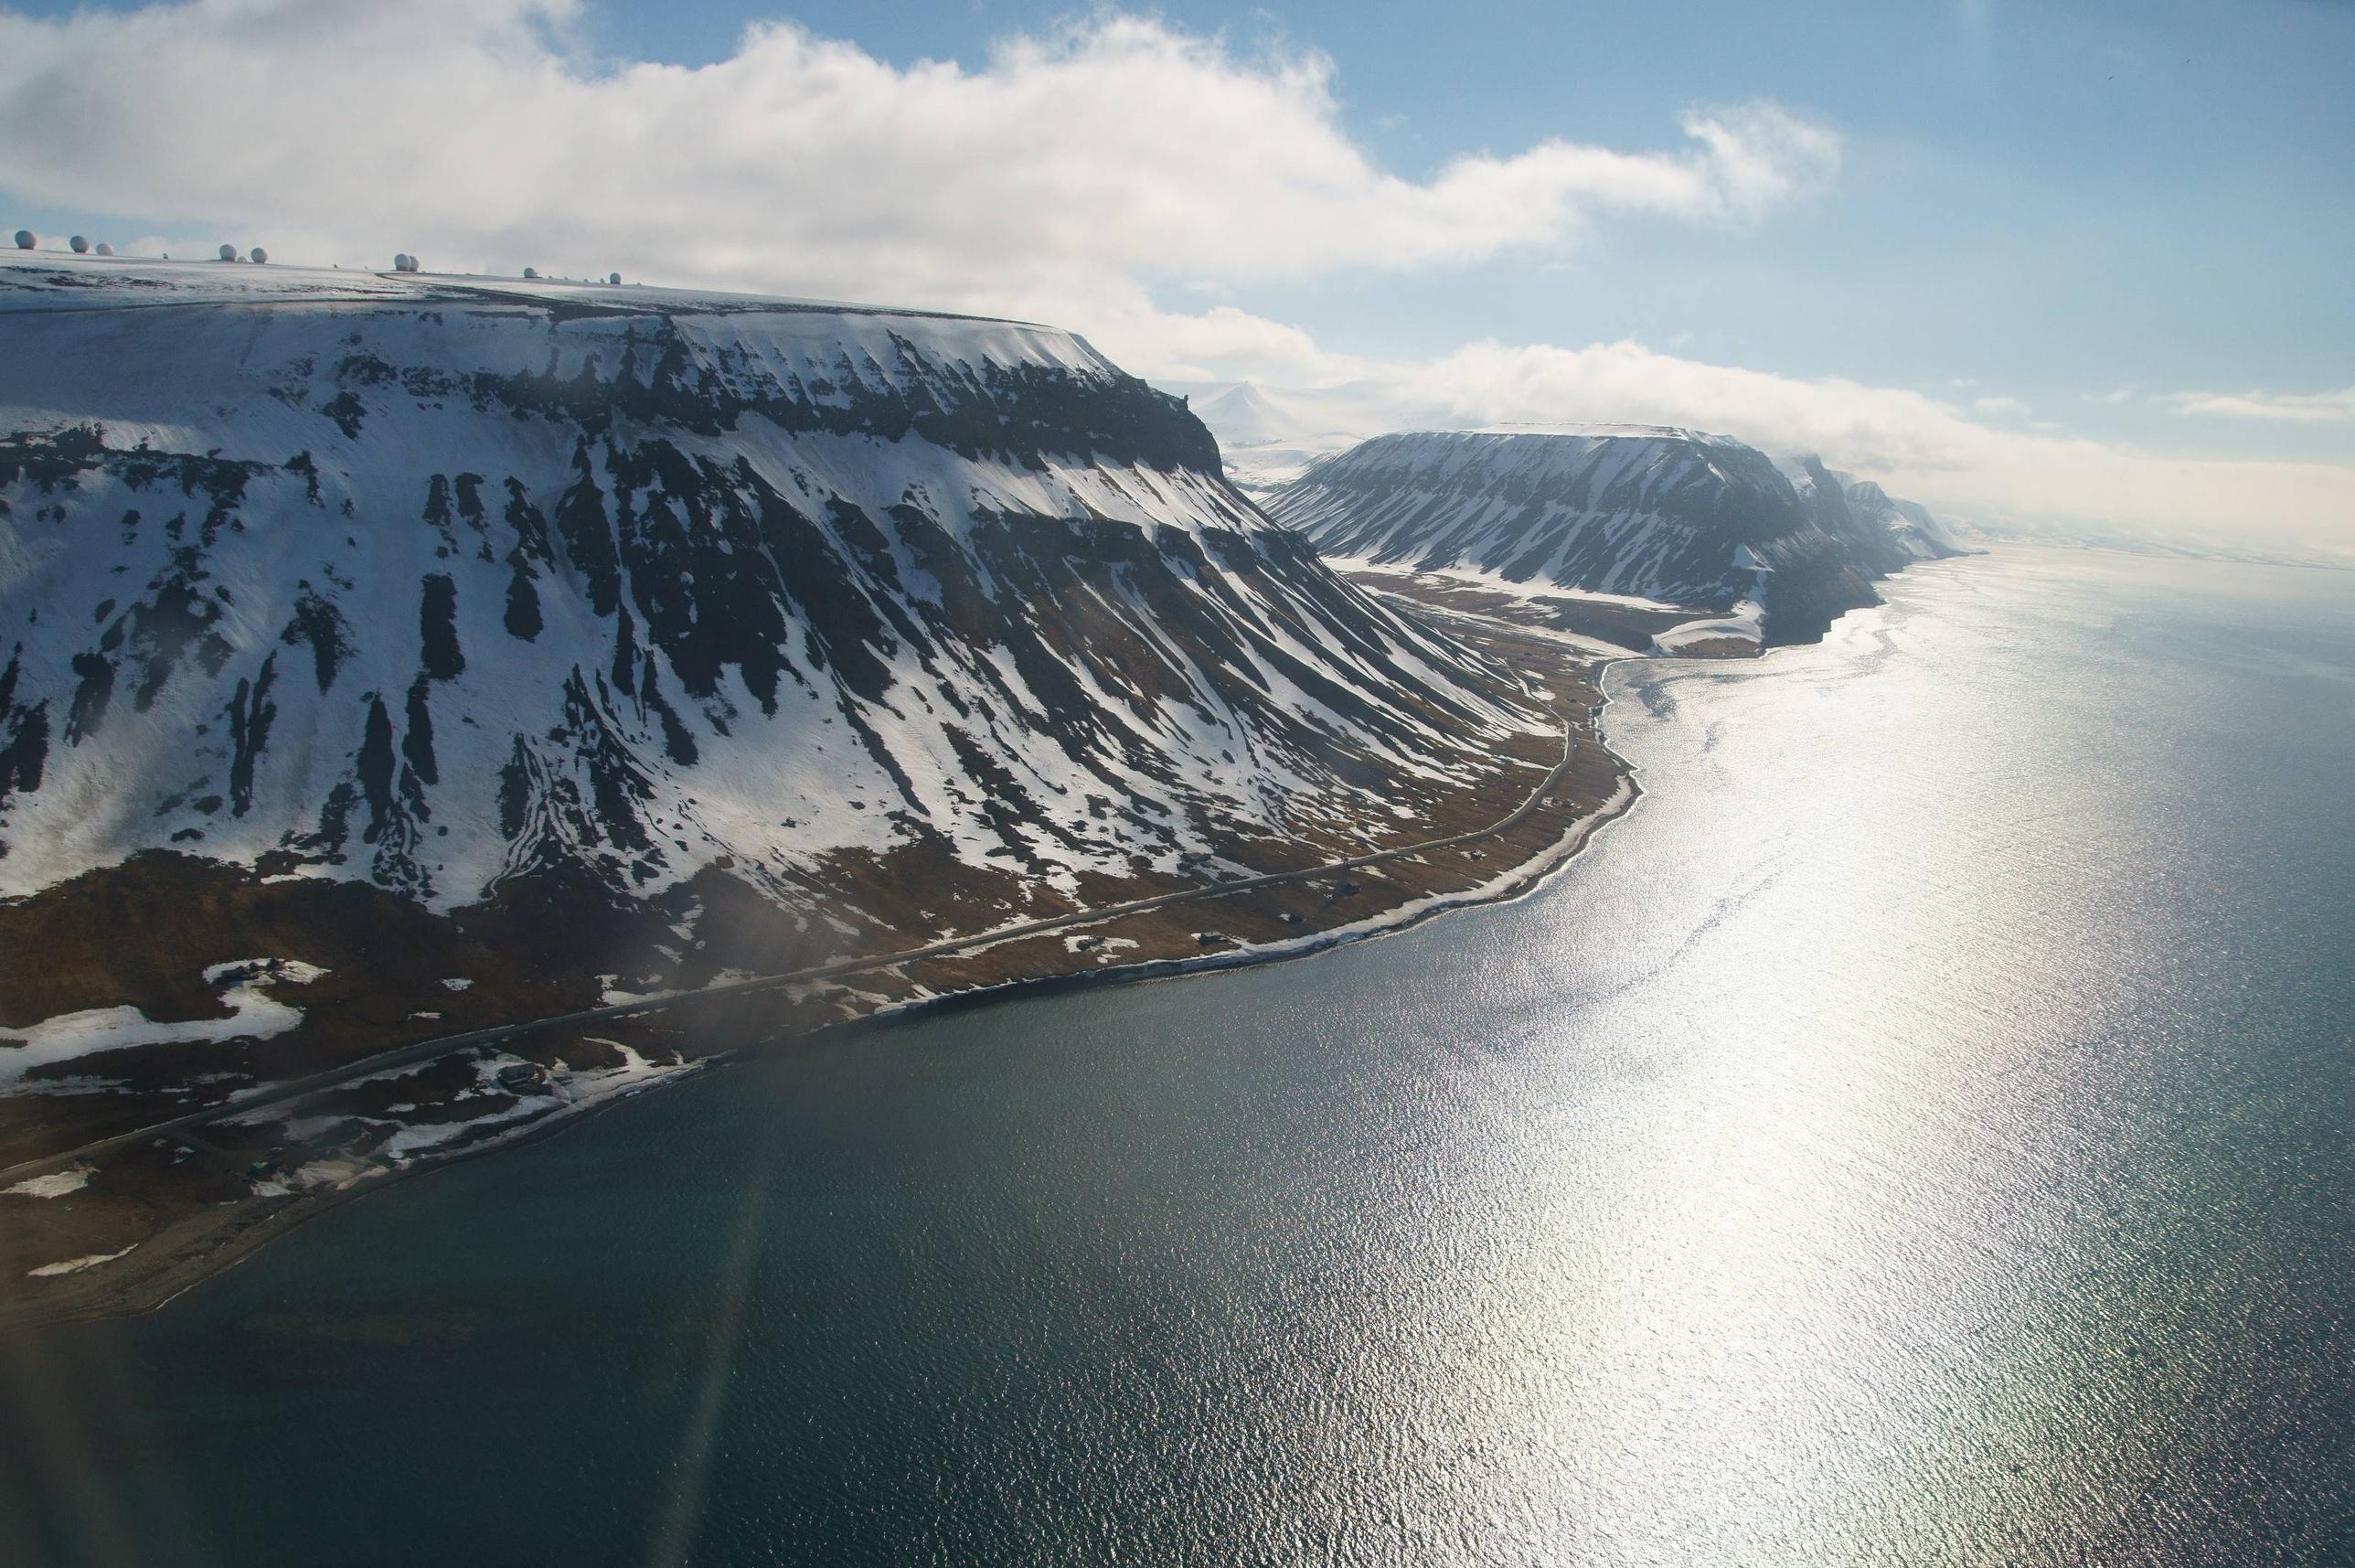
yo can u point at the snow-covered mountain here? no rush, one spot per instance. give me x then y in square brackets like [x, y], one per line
[1243, 416]
[1267, 440]
[1658, 513]
[1909, 523]
[438, 583]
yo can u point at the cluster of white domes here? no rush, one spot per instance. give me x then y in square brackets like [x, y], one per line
[402, 261]
[26, 240]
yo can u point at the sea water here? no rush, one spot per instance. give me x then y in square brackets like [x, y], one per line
[1922, 1132]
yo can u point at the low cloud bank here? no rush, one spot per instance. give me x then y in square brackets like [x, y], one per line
[1940, 453]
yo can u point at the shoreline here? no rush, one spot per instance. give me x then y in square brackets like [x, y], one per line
[206, 1242]
[155, 1292]
[207, 1245]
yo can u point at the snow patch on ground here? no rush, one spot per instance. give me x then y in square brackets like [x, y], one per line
[1745, 624]
[1533, 592]
[63, 1088]
[634, 1072]
[254, 1015]
[75, 1265]
[335, 1175]
[294, 971]
[56, 1184]
[614, 996]
[566, 1092]
[1102, 947]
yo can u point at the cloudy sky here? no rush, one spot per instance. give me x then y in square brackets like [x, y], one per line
[2067, 261]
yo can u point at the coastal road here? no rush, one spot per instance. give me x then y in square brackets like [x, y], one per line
[425, 1050]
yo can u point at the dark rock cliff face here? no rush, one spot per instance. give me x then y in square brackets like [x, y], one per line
[441, 587]
[1658, 513]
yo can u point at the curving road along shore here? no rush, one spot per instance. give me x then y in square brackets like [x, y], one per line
[426, 1051]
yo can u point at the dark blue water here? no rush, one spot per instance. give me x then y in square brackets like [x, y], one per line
[1923, 1131]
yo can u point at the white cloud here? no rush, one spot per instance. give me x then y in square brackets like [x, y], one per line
[1066, 179]
[2288, 408]
[1919, 445]
[1069, 170]
[2000, 408]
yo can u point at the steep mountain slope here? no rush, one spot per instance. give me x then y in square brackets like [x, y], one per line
[430, 708]
[439, 585]
[1919, 535]
[1649, 512]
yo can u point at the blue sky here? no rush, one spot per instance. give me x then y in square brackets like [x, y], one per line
[2046, 199]
[2126, 223]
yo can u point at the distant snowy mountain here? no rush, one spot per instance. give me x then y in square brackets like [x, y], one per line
[438, 583]
[1659, 514]
[1267, 440]
[1245, 416]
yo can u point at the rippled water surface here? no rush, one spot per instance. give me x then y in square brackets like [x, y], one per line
[1923, 1131]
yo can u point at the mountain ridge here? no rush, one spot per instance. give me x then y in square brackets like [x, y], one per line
[680, 524]
[1660, 513]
